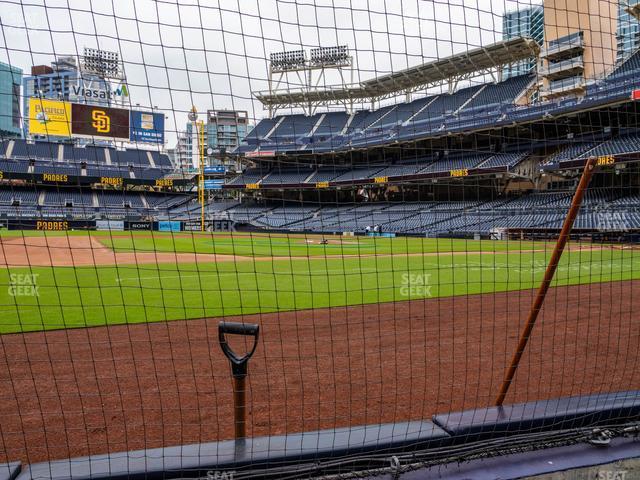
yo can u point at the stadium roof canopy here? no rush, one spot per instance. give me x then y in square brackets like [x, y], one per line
[452, 69]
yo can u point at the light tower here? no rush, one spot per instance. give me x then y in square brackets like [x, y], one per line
[199, 128]
[102, 69]
[321, 59]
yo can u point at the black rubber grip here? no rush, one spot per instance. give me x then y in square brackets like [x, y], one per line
[236, 328]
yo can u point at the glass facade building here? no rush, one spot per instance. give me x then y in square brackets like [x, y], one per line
[223, 132]
[226, 129]
[628, 33]
[10, 81]
[527, 22]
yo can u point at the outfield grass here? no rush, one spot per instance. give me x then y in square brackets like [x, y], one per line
[261, 245]
[90, 296]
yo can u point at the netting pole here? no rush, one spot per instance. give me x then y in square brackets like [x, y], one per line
[587, 173]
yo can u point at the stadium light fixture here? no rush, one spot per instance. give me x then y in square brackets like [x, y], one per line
[103, 63]
[286, 61]
[330, 56]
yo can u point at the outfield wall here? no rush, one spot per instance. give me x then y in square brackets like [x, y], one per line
[115, 225]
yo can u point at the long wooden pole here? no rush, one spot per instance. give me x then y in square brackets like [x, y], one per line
[587, 173]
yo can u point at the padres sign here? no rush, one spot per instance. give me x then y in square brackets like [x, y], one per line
[98, 121]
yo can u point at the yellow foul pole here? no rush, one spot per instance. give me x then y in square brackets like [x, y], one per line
[201, 191]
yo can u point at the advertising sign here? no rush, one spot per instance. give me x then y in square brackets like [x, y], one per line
[194, 226]
[49, 117]
[100, 93]
[210, 226]
[137, 225]
[98, 121]
[213, 184]
[169, 226]
[215, 169]
[116, 225]
[147, 127]
[50, 225]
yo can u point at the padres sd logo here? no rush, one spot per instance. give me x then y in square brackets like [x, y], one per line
[101, 121]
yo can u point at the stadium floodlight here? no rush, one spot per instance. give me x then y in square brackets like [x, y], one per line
[334, 56]
[285, 61]
[101, 62]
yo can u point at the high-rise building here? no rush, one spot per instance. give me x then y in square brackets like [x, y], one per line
[223, 132]
[628, 33]
[580, 45]
[10, 80]
[185, 156]
[526, 22]
[529, 22]
[226, 129]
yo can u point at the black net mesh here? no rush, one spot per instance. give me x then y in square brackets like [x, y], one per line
[425, 207]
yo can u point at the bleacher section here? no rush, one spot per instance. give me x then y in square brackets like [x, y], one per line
[602, 210]
[88, 161]
[71, 203]
[478, 107]
[623, 144]
[73, 198]
[423, 166]
[441, 165]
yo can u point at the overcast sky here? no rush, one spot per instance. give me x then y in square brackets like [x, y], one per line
[212, 53]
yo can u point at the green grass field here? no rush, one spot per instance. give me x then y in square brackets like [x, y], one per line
[261, 245]
[313, 276]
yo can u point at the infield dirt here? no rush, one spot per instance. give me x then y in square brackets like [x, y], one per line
[86, 391]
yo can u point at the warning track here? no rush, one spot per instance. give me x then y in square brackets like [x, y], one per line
[79, 251]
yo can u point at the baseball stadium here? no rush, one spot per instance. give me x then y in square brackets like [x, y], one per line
[320, 239]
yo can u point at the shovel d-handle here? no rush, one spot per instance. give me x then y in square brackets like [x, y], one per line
[238, 368]
[238, 362]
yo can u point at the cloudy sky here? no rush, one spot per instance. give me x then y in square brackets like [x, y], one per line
[212, 53]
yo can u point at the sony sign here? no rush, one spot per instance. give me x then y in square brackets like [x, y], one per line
[100, 94]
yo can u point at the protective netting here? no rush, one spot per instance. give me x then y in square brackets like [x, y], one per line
[379, 185]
